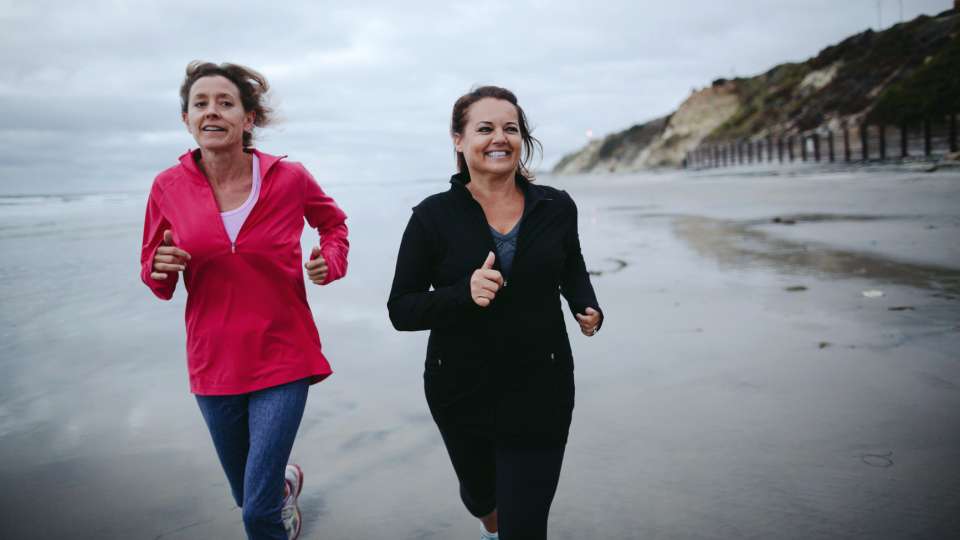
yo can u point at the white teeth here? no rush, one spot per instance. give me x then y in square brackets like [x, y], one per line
[497, 154]
[213, 128]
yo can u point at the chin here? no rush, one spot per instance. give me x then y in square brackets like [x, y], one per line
[507, 169]
[217, 145]
[499, 168]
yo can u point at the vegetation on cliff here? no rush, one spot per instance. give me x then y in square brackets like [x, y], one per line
[866, 70]
[931, 91]
[904, 74]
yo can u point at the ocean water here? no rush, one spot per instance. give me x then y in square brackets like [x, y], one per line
[743, 385]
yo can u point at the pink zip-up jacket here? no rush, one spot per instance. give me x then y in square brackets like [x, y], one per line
[248, 322]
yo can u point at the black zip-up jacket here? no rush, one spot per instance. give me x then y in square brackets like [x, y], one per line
[508, 366]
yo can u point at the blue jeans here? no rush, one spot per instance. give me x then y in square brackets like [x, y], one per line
[253, 434]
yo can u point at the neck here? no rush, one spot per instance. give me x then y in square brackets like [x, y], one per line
[492, 186]
[225, 166]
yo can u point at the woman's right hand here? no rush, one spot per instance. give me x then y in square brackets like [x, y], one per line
[485, 282]
[168, 258]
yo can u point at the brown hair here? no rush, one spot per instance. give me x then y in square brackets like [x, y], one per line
[252, 86]
[459, 120]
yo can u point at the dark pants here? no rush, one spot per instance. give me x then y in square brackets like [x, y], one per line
[505, 432]
[253, 434]
[519, 482]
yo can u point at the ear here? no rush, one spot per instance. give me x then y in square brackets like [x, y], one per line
[249, 118]
[457, 139]
[186, 123]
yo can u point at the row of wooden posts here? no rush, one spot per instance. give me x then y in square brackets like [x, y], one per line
[782, 147]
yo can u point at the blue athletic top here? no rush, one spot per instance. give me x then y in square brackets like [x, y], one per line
[506, 245]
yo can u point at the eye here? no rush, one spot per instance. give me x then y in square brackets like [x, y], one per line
[484, 129]
[226, 103]
[199, 104]
[512, 129]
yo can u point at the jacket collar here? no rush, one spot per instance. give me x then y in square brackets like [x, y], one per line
[189, 162]
[460, 180]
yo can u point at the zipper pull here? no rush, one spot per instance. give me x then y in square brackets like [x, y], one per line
[233, 247]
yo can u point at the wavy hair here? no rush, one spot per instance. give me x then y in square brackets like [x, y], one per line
[252, 85]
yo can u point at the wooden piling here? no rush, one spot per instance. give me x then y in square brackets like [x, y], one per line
[904, 151]
[846, 143]
[953, 132]
[883, 141]
[864, 143]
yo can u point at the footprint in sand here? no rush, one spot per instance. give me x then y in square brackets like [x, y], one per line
[614, 265]
[882, 460]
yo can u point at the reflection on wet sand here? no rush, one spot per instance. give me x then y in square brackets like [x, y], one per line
[741, 244]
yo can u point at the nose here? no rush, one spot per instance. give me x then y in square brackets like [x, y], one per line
[499, 136]
[210, 111]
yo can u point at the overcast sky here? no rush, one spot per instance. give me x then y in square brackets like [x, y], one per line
[363, 90]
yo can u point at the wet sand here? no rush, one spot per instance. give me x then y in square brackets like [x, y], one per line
[742, 386]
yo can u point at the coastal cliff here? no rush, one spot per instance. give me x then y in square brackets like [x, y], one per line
[905, 73]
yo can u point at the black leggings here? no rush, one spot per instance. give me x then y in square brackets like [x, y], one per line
[519, 482]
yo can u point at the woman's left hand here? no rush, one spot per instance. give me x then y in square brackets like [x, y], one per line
[316, 267]
[589, 322]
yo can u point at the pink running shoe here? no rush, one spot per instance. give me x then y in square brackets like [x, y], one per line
[293, 485]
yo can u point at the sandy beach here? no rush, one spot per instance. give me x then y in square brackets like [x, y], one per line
[779, 360]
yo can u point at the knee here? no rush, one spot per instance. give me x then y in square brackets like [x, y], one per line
[480, 505]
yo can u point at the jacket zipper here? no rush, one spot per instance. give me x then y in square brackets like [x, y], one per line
[216, 208]
[486, 226]
[233, 243]
[526, 214]
[481, 218]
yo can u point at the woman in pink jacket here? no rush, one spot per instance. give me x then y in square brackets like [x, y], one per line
[229, 218]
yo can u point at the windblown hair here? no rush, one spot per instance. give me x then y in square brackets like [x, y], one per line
[252, 85]
[459, 120]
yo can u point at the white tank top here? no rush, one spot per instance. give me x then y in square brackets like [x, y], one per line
[233, 219]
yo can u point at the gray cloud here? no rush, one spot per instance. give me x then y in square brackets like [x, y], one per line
[363, 90]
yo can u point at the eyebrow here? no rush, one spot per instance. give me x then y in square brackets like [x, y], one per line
[220, 95]
[511, 122]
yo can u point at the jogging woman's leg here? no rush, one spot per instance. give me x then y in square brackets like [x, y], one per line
[226, 418]
[275, 415]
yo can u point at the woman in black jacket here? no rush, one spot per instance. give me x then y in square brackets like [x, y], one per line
[482, 266]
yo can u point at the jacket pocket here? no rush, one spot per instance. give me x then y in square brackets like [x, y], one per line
[561, 360]
[455, 385]
[538, 407]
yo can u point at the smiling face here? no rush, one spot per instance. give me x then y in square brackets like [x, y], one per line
[215, 115]
[490, 142]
